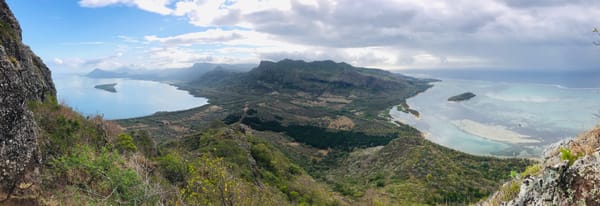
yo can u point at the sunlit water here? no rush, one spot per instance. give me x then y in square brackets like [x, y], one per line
[134, 98]
[546, 113]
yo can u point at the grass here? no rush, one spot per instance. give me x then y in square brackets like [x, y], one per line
[566, 154]
[292, 141]
[89, 161]
[87, 158]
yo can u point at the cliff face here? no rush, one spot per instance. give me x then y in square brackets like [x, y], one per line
[569, 175]
[23, 78]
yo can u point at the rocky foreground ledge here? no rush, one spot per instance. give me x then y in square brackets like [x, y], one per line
[568, 175]
[23, 78]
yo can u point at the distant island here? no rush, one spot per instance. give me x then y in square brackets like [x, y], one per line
[462, 97]
[107, 87]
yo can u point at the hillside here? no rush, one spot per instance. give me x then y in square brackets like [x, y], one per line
[51, 155]
[284, 133]
[331, 120]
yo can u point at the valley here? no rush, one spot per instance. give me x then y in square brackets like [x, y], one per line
[337, 132]
[188, 102]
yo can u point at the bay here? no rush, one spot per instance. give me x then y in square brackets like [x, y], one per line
[134, 98]
[505, 118]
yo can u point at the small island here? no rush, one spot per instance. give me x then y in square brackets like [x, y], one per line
[462, 97]
[107, 87]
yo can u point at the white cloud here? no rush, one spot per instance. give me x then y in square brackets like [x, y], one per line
[156, 6]
[174, 57]
[83, 43]
[77, 64]
[209, 36]
[385, 33]
[128, 39]
[58, 61]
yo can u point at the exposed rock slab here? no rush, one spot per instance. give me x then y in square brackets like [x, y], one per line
[23, 78]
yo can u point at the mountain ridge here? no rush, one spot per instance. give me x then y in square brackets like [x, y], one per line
[171, 75]
[324, 116]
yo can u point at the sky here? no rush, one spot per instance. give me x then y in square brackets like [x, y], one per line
[80, 35]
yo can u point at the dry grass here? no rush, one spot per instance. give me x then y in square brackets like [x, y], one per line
[587, 143]
[341, 123]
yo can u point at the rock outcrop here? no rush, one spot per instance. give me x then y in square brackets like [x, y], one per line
[23, 78]
[570, 176]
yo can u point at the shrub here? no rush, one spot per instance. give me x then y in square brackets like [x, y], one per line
[145, 143]
[125, 143]
[566, 154]
[510, 191]
[211, 184]
[514, 174]
[99, 173]
[532, 170]
[173, 167]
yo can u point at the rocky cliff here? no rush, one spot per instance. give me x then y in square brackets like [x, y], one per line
[23, 78]
[568, 175]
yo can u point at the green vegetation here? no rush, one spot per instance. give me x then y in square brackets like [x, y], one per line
[511, 189]
[462, 97]
[90, 161]
[100, 174]
[321, 137]
[403, 107]
[532, 170]
[85, 162]
[421, 167]
[285, 123]
[566, 154]
[7, 33]
[125, 143]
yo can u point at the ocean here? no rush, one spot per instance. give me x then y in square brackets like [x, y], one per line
[515, 113]
[134, 98]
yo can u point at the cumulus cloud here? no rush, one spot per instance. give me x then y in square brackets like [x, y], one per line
[156, 6]
[390, 33]
[209, 36]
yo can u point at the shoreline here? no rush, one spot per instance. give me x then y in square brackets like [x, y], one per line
[493, 132]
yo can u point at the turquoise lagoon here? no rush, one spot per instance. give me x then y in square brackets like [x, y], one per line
[504, 119]
[134, 98]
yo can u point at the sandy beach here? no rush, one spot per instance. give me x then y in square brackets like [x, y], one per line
[492, 132]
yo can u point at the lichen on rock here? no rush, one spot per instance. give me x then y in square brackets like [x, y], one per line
[561, 183]
[23, 78]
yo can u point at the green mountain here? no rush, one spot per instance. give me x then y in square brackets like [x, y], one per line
[284, 133]
[331, 120]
